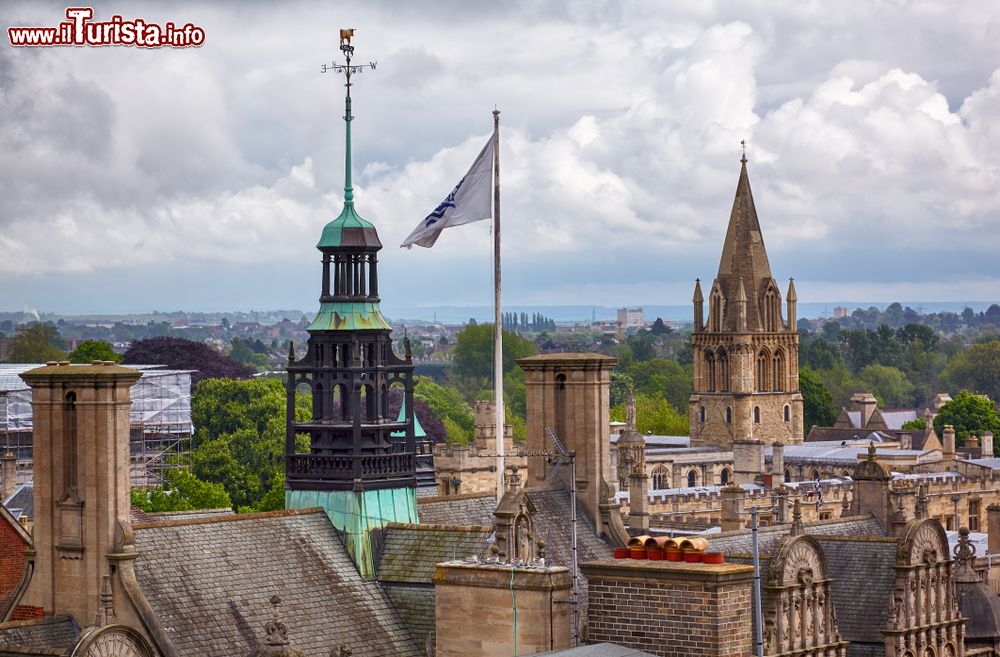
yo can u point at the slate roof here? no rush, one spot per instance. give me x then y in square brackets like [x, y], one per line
[53, 633]
[863, 574]
[894, 418]
[209, 580]
[741, 542]
[464, 509]
[187, 515]
[411, 552]
[22, 501]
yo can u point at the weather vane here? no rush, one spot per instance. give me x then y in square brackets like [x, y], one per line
[743, 144]
[347, 69]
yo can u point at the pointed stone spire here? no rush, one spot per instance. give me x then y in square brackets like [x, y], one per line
[791, 300]
[743, 254]
[699, 306]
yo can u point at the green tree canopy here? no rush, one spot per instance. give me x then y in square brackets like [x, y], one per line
[888, 384]
[91, 350]
[977, 369]
[473, 354]
[654, 415]
[817, 402]
[183, 491]
[38, 342]
[240, 438]
[448, 404]
[970, 414]
[660, 377]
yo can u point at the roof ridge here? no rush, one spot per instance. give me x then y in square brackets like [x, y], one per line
[458, 496]
[176, 522]
[433, 527]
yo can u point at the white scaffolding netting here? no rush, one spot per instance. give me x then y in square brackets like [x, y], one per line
[161, 400]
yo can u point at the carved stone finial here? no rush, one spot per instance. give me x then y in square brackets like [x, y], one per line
[871, 450]
[965, 551]
[922, 503]
[630, 412]
[277, 633]
[513, 480]
[541, 548]
[407, 349]
[107, 614]
[797, 527]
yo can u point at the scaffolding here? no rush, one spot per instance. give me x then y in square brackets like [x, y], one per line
[160, 419]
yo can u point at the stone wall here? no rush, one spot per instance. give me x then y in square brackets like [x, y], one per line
[671, 609]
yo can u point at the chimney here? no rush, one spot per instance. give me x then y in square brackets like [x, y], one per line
[866, 403]
[528, 609]
[777, 465]
[948, 453]
[8, 470]
[668, 608]
[638, 500]
[871, 489]
[748, 460]
[986, 445]
[993, 527]
[732, 507]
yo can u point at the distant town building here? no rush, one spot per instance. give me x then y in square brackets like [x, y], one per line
[630, 318]
[841, 312]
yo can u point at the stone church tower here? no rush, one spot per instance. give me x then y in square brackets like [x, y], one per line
[746, 357]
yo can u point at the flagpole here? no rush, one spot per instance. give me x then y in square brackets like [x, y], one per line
[497, 324]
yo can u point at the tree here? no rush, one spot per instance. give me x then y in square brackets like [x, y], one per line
[817, 402]
[91, 350]
[448, 404]
[240, 438]
[659, 328]
[181, 354]
[888, 384]
[620, 385]
[473, 354]
[663, 378]
[183, 491]
[244, 353]
[37, 342]
[654, 415]
[970, 414]
[920, 424]
[977, 369]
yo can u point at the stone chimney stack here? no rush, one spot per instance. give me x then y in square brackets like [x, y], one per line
[986, 444]
[570, 394]
[777, 465]
[81, 482]
[866, 403]
[732, 507]
[993, 527]
[748, 460]
[948, 453]
[467, 593]
[8, 470]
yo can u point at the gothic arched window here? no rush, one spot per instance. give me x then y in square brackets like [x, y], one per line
[724, 476]
[692, 479]
[756, 414]
[763, 370]
[778, 371]
[661, 479]
[788, 413]
[729, 414]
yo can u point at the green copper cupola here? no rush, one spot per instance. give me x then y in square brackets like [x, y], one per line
[350, 247]
[360, 465]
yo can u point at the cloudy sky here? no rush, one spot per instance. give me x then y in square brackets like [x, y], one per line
[200, 179]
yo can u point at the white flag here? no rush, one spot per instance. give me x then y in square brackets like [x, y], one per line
[469, 201]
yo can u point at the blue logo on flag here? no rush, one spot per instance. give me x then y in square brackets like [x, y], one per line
[439, 211]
